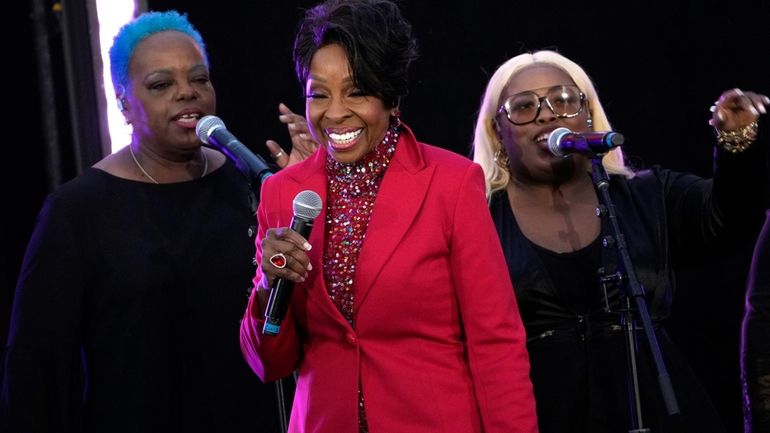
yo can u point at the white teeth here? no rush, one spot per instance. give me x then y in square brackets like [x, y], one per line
[189, 116]
[542, 137]
[344, 138]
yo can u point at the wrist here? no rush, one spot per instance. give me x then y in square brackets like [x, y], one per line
[738, 140]
[262, 295]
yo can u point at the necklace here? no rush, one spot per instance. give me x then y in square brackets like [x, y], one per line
[144, 172]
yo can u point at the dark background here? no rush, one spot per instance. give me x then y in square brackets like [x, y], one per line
[658, 66]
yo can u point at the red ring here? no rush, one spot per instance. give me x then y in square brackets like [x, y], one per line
[278, 260]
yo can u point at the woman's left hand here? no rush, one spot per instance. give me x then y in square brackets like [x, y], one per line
[736, 109]
[302, 143]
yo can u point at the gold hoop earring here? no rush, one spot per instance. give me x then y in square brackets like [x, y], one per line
[501, 158]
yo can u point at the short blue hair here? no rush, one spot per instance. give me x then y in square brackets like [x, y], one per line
[140, 28]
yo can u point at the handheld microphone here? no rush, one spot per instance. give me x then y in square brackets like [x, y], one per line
[211, 130]
[562, 142]
[307, 205]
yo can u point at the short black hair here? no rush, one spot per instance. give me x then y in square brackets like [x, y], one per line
[377, 39]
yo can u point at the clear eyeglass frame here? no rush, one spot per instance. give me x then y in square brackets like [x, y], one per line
[552, 94]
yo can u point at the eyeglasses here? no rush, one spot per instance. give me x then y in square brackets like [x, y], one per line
[564, 101]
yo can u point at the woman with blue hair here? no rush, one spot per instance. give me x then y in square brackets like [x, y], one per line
[127, 308]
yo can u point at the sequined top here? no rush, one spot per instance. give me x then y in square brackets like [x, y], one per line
[351, 191]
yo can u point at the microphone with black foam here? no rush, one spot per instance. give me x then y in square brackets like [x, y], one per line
[307, 205]
[562, 142]
[211, 130]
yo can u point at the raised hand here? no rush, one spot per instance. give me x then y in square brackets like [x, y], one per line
[302, 143]
[734, 118]
[736, 109]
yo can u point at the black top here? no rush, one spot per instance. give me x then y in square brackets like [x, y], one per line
[575, 274]
[127, 311]
[577, 352]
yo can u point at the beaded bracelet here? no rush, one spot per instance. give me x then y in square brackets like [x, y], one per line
[739, 140]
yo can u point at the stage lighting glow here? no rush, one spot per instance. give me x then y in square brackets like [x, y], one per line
[112, 14]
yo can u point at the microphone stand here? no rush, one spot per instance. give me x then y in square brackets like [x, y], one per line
[631, 290]
[254, 180]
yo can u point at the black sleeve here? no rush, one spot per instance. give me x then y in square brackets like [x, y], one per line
[41, 370]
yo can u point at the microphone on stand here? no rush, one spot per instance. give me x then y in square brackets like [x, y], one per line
[211, 130]
[562, 142]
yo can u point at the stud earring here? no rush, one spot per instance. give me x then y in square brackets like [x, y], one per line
[121, 105]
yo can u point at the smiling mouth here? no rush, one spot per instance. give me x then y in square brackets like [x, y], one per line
[345, 140]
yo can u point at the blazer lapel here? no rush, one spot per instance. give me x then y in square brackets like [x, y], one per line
[399, 200]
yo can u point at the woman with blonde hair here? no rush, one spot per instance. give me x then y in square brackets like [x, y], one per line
[558, 252]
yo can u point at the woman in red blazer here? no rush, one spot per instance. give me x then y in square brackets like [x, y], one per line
[401, 319]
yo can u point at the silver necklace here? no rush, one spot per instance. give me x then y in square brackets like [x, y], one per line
[144, 172]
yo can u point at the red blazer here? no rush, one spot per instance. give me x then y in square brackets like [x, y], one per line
[438, 345]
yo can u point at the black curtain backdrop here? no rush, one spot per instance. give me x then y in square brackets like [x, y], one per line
[658, 66]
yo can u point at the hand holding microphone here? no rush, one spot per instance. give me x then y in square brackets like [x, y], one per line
[284, 255]
[562, 142]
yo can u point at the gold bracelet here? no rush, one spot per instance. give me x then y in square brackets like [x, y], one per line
[739, 140]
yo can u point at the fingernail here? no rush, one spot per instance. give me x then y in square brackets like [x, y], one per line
[309, 267]
[720, 115]
[292, 126]
[303, 136]
[283, 117]
[754, 110]
[307, 246]
[762, 109]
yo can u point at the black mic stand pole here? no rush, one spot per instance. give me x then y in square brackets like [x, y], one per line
[631, 289]
[255, 183]
[281, 385]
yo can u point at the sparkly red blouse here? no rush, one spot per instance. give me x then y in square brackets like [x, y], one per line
[351, 192]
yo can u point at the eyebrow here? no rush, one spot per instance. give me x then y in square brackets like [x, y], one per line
[547, 88]
[348, 80]
[167, 71]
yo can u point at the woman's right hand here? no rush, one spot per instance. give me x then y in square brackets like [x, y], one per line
[284, 255]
